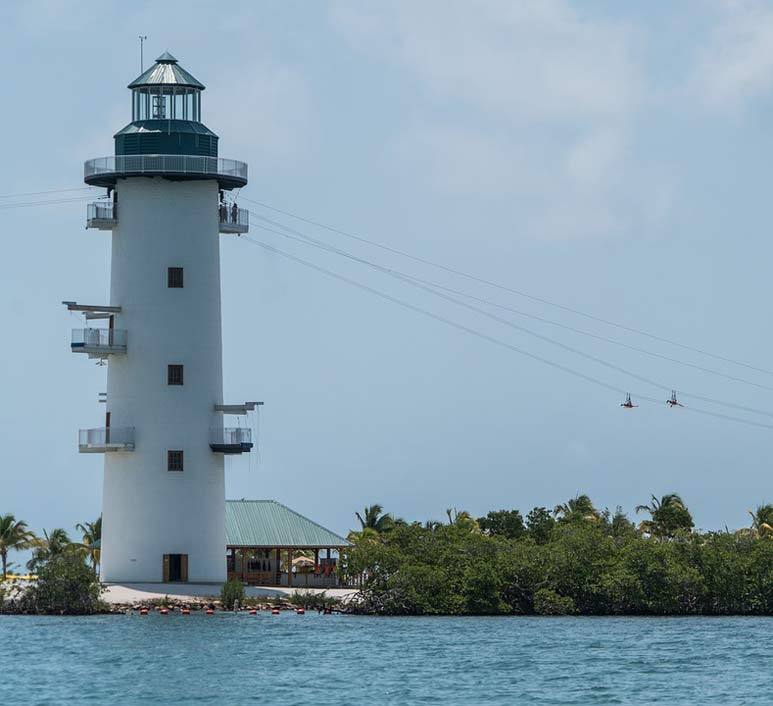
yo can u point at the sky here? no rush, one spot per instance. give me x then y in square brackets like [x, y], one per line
[613, 158]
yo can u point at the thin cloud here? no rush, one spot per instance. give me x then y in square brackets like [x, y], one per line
[736, 63]
[528, 100]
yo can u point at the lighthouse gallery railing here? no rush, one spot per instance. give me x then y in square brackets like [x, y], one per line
[164, 164]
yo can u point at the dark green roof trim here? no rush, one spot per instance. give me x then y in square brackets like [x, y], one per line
[268, 523]
[168, 126]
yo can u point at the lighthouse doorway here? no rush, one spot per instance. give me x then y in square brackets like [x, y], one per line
[175, 568]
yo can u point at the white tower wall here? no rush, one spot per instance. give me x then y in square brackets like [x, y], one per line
[150, 511]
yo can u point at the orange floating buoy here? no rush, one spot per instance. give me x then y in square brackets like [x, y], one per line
[143, 611]
[210, 611]
[301, 611]
[185, 611]
[253, 611]
[275, 611]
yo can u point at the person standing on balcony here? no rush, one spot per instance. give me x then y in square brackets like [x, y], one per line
[234, 212]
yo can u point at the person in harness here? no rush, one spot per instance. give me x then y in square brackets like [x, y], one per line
[628, 404]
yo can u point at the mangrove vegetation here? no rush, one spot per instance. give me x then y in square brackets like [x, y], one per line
[571, 559]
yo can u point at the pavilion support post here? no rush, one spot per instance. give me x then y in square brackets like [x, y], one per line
[289, 567]
[278, 573]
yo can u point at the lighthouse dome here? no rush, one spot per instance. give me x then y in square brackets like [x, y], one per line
[166, 136]
[166, 114]
[166, 72]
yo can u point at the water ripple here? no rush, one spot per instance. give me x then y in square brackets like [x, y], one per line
[341, 660]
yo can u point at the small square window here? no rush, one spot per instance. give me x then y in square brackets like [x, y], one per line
[174, 375]
[174, 460]
[175, 277]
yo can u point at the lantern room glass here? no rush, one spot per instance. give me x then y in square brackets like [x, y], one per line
[166, 103]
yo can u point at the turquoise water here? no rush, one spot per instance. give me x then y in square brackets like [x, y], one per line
[333, 659]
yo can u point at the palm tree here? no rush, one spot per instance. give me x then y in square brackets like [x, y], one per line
[578, 508]
[667, 515]
[15, 536]
[368, 533]
[49, 546]
[376, 519]
[92, 534]
[462, 519]
[762, 520]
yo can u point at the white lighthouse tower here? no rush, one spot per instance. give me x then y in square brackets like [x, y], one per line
[164, 436]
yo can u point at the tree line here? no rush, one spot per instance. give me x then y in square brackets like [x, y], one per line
[66, 570]
[571, 559]
[15, 535]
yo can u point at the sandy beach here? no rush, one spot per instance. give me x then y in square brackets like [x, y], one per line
[138, 592]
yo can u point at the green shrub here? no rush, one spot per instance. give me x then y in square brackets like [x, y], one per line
[230, 593]
[66, 585]
[548, 602]
[313, 601]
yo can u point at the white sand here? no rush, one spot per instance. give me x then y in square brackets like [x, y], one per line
[138, 592]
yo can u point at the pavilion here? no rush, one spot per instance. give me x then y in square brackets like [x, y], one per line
[268, 544]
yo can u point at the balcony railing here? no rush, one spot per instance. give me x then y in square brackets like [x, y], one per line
[102, 215]
[106, 440]
[234, 220]
[230, 441]
[104, 171]
[98, 342]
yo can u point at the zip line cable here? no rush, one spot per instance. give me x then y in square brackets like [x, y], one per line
[50, 191]
[434, 288]
[490, 339]
[6, 206]
[469, 276]
[519, 312]
[459, 273]
[504, 288]
[398, 275]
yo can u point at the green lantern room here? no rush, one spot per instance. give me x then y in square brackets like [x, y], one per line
[166, 114]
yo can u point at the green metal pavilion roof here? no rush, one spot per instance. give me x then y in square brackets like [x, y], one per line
[267, 523]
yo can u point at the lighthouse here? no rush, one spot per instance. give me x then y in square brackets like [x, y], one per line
[166, 427]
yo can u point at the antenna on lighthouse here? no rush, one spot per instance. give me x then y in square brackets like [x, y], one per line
[142, 37]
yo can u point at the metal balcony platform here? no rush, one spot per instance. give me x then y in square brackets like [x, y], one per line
[237, 222]
[102, 215]
[98, 342]
[106, 440]
[230, 441]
